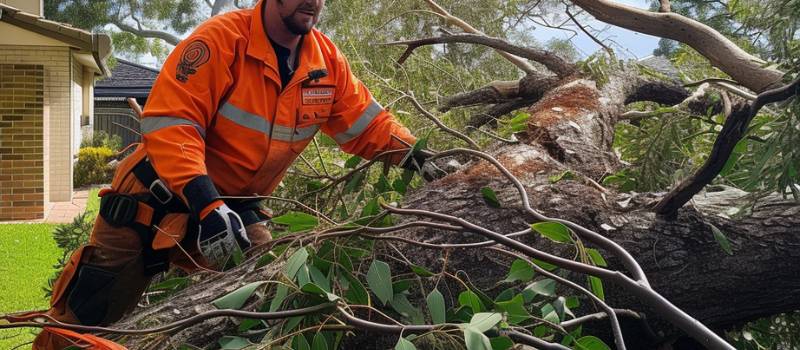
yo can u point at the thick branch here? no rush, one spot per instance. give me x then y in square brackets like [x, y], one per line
[520, 63]
[554, 63]
[733, 130]
[719, 50]
[146, 33]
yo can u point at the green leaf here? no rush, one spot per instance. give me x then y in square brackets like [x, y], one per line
[379, 278]
[400, 186]
[356, 292]
[546, 287]
[383, 184]
[566, 175]
[237, 298]
[484, 321]
[292, 323]
[297, 221]
[490, 197]
[545, 265]
[280, 295]
[597, 287]
[501, 343]
[371, 208]
[436, 306]
[505, 295]
[312, 288]
[736, 154]
[354, 183]
[721, 239]
[550, 314]
[401, 304]
[514, 309]
[471, 300]
[352, 163]
[401, 286]
[421, 144]
[319, 278]
[293, 264]
[476, 340]
[555, 231]
[520, 271]
[299, 342]
[403, 344]
[314, 185]
[233, 343]
[573, 302]
[572, 337]
[591, 343]
[596, 258]
[319, 342]
[421, 271]
[248, 324]
[172, 283]
[266, 259]
[303, 276]
[560, 304]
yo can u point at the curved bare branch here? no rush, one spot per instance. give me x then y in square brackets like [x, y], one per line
[745, 68]
[554, 63]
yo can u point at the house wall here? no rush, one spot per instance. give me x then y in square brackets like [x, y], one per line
[57, 112]
[87, 119]
[35, 7]
[76, 80]
[22, 194]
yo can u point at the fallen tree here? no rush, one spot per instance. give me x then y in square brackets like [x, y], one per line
[666, 269]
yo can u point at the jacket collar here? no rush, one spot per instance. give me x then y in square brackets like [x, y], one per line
[310, 55]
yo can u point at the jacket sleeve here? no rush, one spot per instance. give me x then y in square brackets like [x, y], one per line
[180, 108]
[359, 124]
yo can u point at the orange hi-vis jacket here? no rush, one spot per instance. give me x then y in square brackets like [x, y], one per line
[218, 108]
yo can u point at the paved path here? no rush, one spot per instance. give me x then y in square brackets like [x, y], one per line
[64, 212]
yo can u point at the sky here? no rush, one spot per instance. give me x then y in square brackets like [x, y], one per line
[629, 44]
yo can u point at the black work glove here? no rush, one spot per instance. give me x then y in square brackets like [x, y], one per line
[417, 160]
[221, 232]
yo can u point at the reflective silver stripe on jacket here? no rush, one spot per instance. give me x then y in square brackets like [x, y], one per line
[261, 124]
[151, 124]
[361, 123]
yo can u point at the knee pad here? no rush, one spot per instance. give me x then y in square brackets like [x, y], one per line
[89, 292]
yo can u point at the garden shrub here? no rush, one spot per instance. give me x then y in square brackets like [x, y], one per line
[93, 166]
[102, 139]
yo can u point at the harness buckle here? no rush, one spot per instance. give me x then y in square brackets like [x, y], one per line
[160, 192]
[119, 209]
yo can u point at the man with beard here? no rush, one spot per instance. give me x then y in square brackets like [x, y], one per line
[235, 104]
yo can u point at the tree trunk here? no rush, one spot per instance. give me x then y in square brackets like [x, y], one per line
[571, 128]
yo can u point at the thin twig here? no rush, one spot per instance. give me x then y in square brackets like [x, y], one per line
[431, 117]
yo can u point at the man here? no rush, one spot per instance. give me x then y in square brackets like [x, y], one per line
[235, 104]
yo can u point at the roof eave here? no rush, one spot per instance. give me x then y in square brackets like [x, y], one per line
[97, 43]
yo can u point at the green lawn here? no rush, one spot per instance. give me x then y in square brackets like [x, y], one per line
[27, 255]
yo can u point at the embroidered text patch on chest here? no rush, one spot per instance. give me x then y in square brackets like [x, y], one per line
[318, 95]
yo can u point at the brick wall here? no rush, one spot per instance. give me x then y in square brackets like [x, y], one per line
[21, 142]
[57, 62]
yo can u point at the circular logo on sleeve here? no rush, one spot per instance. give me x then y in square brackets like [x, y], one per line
[194, 55]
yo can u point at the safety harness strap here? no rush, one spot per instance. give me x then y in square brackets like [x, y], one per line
[142, 213]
